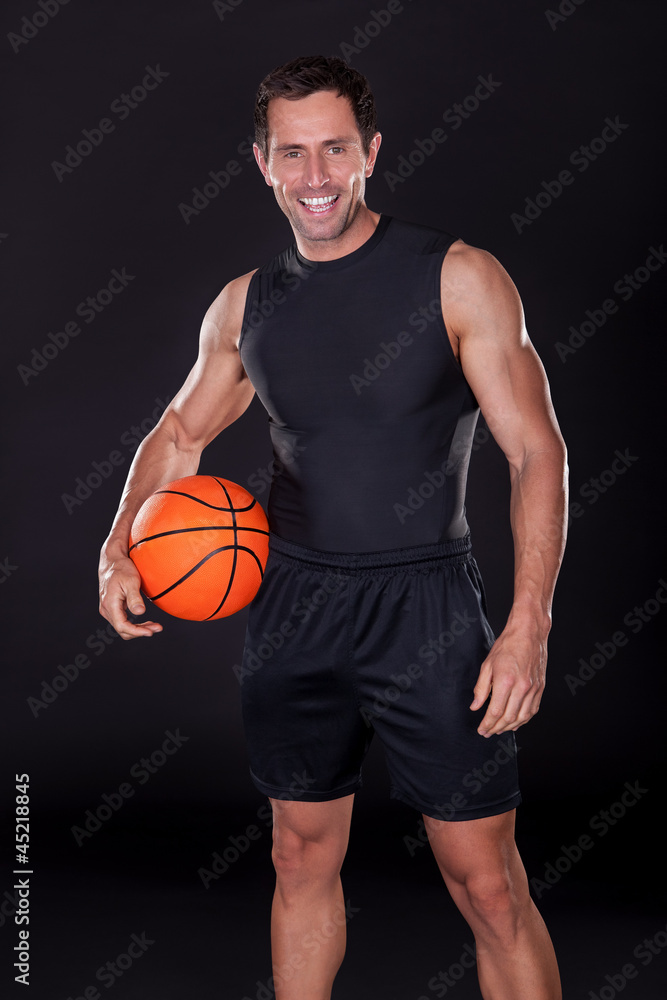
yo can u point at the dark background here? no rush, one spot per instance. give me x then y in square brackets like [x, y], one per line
[560, 77]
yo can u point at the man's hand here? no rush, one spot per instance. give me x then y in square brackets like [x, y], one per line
[119, 593]
[514, 675]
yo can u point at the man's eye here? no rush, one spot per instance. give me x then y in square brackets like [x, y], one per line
[338, 148]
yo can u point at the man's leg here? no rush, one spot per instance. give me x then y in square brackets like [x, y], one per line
[480, 864]
[308, 914]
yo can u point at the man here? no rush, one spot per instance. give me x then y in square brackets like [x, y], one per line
[373, 343]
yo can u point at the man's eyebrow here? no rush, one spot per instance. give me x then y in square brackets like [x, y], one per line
[345, 140]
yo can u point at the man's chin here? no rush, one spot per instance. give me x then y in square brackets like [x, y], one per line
[320, 230]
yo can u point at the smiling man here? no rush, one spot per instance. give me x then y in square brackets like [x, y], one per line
[396, 642]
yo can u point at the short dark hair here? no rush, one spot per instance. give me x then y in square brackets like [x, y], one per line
[308, 74]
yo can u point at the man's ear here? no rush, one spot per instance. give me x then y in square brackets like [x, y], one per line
[372, 153]
[261, 163]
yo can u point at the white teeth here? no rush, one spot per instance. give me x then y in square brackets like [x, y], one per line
[318, 201]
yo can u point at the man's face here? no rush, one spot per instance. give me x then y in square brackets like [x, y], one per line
[316, 164]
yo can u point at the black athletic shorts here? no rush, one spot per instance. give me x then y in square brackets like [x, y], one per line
[342, 646]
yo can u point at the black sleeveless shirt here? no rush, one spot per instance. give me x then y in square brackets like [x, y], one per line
[370, 415]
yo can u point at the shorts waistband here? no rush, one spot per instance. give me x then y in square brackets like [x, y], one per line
[419, 556]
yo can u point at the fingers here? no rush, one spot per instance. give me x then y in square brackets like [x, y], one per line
[130, 630]
[515, 695]
[114, 610]
[120, 595]
[511, 706]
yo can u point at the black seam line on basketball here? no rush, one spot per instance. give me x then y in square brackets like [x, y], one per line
[261, 576]
[232, 572]
[201, 527]
[231, 509]
[201, 562]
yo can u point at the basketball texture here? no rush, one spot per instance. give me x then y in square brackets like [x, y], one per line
[200, 545]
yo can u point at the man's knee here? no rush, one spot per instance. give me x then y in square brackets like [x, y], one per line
[291, 850]
[301, 863]
[308, 843]
[491, 896]
[500, 906]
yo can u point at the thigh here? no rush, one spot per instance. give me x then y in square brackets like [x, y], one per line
[472, 847]
[479, 862]
[327, 824]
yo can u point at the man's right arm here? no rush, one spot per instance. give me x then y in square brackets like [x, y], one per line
[216, 392]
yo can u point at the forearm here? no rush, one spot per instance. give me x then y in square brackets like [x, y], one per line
[538, 514]
[160, 459]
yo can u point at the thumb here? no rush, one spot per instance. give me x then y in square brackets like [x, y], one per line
[481, 692]
[134, 602]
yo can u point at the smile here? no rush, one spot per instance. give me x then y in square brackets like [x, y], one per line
[319, 206]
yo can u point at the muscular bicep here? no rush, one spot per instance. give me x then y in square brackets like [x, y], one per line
[217, 390]
[482, 305]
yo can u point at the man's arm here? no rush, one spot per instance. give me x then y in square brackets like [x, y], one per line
[215, 393]
[484, 317]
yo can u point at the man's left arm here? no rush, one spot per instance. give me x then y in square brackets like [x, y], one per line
[484, 317]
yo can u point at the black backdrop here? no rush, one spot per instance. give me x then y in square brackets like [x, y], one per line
[95, 207]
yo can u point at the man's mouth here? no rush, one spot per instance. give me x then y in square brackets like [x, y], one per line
[319, 206]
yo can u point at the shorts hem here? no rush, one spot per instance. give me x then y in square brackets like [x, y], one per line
[305, 795]
[460, 815]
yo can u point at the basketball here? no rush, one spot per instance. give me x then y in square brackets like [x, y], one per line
[200, 545]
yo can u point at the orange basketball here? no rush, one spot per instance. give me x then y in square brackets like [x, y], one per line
[200, 545]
